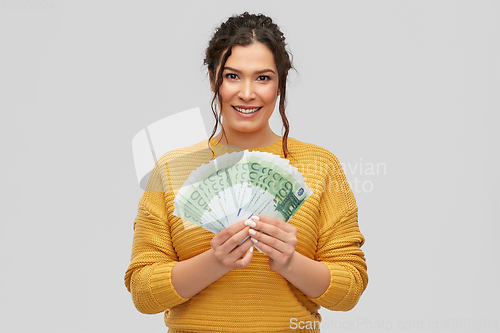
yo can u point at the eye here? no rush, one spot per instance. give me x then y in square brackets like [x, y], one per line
[231, 76]
[264, 78]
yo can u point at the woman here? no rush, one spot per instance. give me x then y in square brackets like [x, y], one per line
[216, 283]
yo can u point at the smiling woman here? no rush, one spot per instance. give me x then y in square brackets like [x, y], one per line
[248, 66]
[248, 95]
[216, 283]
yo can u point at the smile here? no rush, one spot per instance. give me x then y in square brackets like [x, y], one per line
[247, 110]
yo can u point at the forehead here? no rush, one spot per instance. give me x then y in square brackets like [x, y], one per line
[251, 57]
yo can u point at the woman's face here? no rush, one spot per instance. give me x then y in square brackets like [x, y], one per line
[249, 89]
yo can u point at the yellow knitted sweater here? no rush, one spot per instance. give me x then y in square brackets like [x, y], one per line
[255, 298]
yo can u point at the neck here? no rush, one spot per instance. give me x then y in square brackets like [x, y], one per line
[250, 140]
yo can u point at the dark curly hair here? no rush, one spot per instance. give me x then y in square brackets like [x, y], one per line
[243, 30]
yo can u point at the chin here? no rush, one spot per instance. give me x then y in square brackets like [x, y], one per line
[247, 130]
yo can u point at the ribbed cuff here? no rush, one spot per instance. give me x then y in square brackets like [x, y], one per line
[339, 288]
[162, 288]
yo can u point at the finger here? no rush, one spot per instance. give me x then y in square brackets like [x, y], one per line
[273, 221]
[267, 250]
[269, 230]
[240, 251]
[246, 257]
[227, 233]
[235, 240]
[270, 241]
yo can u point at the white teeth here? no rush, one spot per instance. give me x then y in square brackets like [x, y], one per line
[247, 110]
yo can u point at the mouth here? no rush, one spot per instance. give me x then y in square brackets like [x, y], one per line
[247, 110]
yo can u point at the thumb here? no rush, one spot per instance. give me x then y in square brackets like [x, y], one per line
[247, 257]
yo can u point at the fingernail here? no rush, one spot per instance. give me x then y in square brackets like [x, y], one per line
[254, 240]
[250, 223]
[252, 232]
[251, 248]
[255, 217]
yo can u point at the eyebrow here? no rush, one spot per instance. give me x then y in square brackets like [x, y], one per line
[257, 72]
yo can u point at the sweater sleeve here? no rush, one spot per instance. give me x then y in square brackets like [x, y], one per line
[339, 243]
[148, 277]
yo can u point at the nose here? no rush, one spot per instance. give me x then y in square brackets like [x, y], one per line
[246, 91]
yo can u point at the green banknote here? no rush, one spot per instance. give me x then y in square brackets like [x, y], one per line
[237, 185]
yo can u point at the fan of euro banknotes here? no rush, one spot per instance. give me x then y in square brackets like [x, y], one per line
[237, 185]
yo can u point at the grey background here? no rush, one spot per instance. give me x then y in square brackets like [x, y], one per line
[409, 85]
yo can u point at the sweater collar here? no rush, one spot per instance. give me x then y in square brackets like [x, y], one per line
[275, 148]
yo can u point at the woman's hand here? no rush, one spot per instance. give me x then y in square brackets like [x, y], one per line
[227, 250]
[277, 239]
